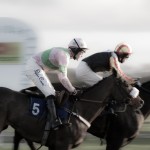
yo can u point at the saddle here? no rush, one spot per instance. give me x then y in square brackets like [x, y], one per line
[60, 98]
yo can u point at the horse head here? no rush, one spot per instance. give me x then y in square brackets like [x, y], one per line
[96, 98]
[127, 94]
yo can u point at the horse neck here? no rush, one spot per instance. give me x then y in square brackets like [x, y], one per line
[95, 95]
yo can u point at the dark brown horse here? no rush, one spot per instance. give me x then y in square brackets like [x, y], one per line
[15, 110]
[120, 130]
[18, 137]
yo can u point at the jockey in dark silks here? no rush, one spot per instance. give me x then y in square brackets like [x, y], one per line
[94, 68]
[54, 60]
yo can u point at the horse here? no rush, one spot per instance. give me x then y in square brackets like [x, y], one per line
[16, 110]
[120, 130]
[18, 137]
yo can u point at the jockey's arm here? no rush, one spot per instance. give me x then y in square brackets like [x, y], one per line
[114, 63]
[63, 62]
[65, 82]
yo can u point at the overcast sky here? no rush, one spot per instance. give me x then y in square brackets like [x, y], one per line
[102, 23]
[81, 15]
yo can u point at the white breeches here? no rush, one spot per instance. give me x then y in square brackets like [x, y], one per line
[35, 73]
[85, 76]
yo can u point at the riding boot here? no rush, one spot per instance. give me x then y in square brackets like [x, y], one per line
[54, 120]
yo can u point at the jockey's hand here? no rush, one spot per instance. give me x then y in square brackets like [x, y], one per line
[132, 82]
[138, 83]
[77, 93]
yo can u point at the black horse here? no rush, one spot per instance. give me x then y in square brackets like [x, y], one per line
[16, 110]
[18, 137]
[120, 130]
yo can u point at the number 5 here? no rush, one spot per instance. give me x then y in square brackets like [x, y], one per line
[35, 109]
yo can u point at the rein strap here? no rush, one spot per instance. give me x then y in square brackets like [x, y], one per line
[80, 117]
[85, 100]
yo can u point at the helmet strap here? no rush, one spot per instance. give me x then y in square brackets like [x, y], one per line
[74, 57]
[122, 57]
[75, 51]
[121, 60]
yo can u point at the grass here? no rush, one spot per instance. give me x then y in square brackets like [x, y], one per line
[93, 143]
[137, 144]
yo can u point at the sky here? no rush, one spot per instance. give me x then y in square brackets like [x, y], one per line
[80, 15]
[101, 23]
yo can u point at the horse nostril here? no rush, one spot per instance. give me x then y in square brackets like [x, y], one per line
[142, 103]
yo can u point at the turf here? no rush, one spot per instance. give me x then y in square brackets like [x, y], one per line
[142, 142]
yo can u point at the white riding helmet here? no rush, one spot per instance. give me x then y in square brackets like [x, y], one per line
[123, 48]
[78, 43]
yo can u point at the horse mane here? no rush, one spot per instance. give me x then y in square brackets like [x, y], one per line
[102, 82]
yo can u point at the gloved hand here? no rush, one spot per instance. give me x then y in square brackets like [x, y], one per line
[138, 83]
[133, 82]
[77, 93]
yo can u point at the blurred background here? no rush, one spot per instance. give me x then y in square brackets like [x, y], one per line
[38, 25]
[30, 26]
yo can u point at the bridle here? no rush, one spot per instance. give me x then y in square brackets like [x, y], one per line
[124, 92]
[72, 113]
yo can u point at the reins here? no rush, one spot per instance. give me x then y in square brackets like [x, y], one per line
[72, 113]
[91, 101]
[78, 116]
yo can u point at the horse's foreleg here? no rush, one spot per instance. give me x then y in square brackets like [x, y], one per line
[3, 123]
[17, 139]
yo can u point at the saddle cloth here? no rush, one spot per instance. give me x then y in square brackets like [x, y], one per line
[38, 108]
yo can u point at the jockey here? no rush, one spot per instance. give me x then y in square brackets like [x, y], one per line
[54, 60]
[104, 63]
